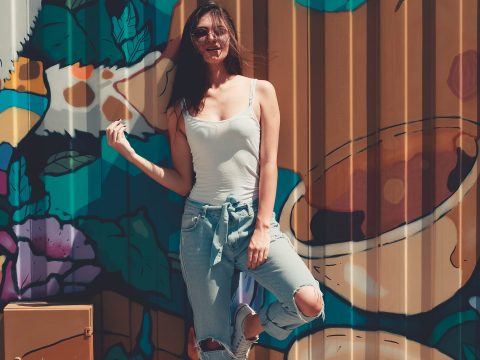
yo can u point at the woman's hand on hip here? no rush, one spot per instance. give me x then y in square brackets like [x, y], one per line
[258, 247]
[117, 140]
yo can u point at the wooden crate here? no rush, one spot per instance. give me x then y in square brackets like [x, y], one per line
[44, 331]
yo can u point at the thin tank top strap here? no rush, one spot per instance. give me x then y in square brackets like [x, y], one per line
[185, 110]
[252, 92]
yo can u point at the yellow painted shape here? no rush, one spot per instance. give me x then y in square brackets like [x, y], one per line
[15, 123]
[22, 77]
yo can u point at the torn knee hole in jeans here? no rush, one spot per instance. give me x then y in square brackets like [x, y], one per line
[210, 344]
[318, 298]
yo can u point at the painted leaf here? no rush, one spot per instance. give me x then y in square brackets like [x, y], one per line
[95, 21]
[158, 14]
[124, 26]
[37, 209]
[55, 31]
[66, 162]
[73, 4]
[19, 189]
[134, 48]
[129, 247]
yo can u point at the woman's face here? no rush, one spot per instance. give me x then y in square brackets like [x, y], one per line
[211, 39]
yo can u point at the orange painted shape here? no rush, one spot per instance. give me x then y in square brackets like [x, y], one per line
[107, 74]
[114, 109]
[79, 95]
[81, 72]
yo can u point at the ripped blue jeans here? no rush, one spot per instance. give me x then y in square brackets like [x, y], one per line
[214, 242]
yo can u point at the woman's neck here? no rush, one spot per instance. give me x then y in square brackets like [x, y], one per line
[218, 75]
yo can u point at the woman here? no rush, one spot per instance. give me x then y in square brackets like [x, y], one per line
[225, 127]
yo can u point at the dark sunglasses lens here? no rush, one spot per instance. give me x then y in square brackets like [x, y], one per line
[199, 33]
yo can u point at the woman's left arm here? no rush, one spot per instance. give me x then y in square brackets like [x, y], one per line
[270, 126]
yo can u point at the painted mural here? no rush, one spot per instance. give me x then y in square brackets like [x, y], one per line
[378, 178]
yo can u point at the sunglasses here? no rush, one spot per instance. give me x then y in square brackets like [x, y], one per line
[200, 34]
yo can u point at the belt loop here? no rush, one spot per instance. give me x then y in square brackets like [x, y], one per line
[250, 210]
[204, 211]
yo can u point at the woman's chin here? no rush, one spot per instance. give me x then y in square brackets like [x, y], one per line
[214, 62]
[214, 59]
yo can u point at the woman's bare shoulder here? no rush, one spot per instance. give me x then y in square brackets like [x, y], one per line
[266, 91]
[265, 87]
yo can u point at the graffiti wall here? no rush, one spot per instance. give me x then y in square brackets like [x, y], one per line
[378, 170]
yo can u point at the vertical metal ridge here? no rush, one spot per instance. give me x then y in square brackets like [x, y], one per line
[373, 173]
[260, 39]
[351, 137]
[477, 247]
[428, 140]
[316, 103]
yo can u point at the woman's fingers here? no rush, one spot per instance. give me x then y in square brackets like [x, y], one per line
[109, 134]
[256, 257]
[117, 131]
[249, 258]
[110, 131]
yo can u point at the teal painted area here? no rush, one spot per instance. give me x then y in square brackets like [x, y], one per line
[287, 180]
[129, 247]
[457, 334]
[106, 189]
[60, 38]
[102, 186]
[95, 25]
[71, 193]
[159, 14]
[6, 152]
[144, 339]
[4, 218]
[469, 352]
[35, 209]
[19, 188]
[179, 302]
[97, 36]
[451, 322]
[119, 177]
[156, 148]
[332, 5]
[116, 352]
[23, 100]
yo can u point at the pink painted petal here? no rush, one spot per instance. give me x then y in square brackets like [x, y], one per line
[8, 292]
[3, 183]
[7, 242]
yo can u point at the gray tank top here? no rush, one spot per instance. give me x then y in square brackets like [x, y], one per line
[225, 155]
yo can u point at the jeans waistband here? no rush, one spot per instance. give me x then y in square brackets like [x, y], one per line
[231, 199]
[227, 210]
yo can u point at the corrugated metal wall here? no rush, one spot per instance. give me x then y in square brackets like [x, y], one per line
[377, 182]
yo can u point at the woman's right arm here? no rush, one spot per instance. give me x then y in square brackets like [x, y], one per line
[180, 177]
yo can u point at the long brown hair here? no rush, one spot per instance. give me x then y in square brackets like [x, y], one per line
[191, 79]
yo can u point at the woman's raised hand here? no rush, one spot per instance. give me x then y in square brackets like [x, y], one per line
[117, 140]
